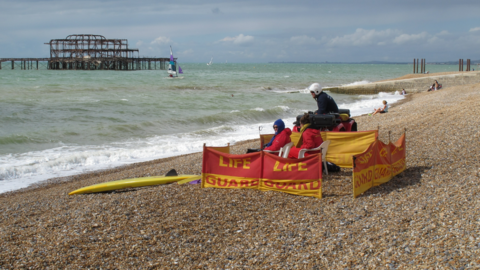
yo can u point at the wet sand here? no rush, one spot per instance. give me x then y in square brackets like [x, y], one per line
[425, 218]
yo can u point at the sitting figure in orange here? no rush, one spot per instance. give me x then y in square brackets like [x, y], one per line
[281, 137]
[309, 138]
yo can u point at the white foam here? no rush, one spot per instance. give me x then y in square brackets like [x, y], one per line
[258, 109]
[370, 102]
[356, 83]
[22, 170]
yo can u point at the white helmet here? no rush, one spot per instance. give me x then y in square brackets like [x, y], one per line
[315, 88]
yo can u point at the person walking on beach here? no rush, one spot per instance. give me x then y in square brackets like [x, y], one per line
[384, 109]
[325, 103]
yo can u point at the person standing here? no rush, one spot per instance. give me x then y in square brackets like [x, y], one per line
[325, 103]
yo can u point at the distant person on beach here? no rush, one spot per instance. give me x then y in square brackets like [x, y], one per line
[325, 103]
[404, 92]
[383, 109]
[309, 138]
[435, 86]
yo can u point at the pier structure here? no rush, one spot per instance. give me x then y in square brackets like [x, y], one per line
[89, 52]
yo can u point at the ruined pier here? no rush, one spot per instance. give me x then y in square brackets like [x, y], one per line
[88, 52]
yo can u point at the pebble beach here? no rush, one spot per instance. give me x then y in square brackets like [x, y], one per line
[428, 217]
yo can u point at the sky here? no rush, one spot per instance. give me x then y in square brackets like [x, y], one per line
[257, 31]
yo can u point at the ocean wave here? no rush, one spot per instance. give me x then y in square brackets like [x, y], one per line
[356, 83]
[17, 139]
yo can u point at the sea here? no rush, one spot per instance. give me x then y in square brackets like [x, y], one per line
[56, 123]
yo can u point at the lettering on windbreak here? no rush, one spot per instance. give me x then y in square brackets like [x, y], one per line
[397, 149]
[230, 182]
[383, 152]
[382, 172]
[235, 162]
[314, 185]
[288, 167]
[363, 178]
[246, 183]
[398, 167]
[365, 158]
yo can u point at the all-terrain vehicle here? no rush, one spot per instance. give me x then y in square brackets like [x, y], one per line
[340, 121]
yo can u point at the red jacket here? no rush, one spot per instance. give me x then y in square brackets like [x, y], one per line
[311, 139]
[280, 140]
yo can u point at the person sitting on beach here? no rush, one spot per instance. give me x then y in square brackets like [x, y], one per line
[309, 138]
[404, 92]
[325, 103]
[384, 109]
[435, 86]
[281, 137]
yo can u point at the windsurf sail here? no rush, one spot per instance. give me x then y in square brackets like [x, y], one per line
[180, 70]
[209, 63]
[171, 66]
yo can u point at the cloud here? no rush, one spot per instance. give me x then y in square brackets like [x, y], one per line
[474, 29]
[188, 52]
[139, 43]
[404, 38]
[216, 10]
[239, 40]
[303, 40]
[363, 37]
[161, 41]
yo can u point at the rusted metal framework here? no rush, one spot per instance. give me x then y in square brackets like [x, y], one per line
[90, 46]
[95, 52]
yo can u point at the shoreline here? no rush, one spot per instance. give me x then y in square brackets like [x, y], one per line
[93, 173]
[412, 83]
[426, 217]
[253, 143]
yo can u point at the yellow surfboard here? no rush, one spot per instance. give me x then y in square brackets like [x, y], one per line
[133, 182]
[188, 180]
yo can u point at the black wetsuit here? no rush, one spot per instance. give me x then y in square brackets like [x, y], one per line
[326, 104]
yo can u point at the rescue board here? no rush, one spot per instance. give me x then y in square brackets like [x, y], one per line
[131, 183]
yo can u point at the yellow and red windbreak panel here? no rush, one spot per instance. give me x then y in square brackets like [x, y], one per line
[378, 165]
[344, 145]
[295, 176]
[398, 152]
[363, 169]
[383, 170]
[263, 171]
[218, 167]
